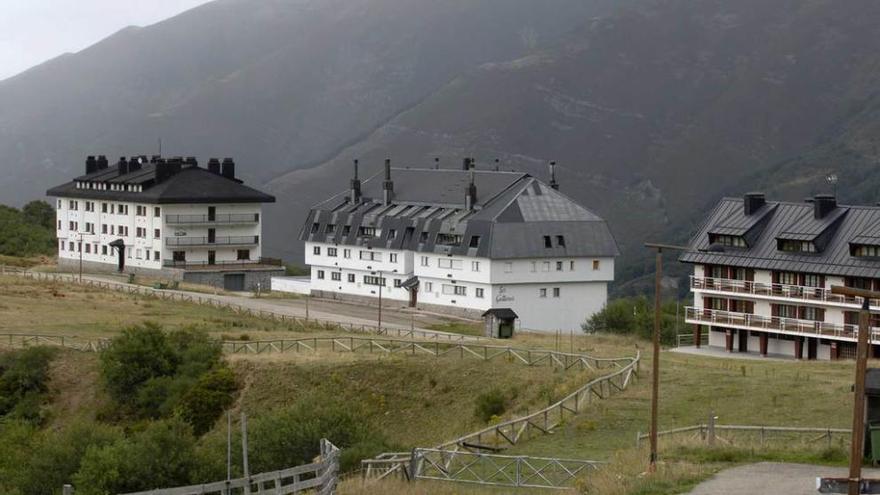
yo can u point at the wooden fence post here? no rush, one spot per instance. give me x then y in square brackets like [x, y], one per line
[67, 489]
[710, 429]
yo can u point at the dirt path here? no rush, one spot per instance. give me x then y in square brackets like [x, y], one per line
[772, 478]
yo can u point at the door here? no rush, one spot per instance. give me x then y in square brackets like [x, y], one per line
[212, 257]
[743, 340]
[212, 236]
[212, 213]
[812, 348]
[233, 281]
[413, 296]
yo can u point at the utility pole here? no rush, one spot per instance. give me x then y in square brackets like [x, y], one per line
[80, 246]
[228, 446]
[655, 362]
[244, 453]
[381, 283]
[856, 452]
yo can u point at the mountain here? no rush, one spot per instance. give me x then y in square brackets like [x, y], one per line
[652, 108]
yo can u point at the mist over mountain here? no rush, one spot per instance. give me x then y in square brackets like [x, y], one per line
[652, 108]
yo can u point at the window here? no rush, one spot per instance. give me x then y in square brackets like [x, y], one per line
[103, 228]
[429, 287]
[320, 274]
[556, 292]
[397, 282]
[59, 204]
[59, 224]
[141, 211]
[545, 266]
[571, 265]
[351, 278]
[508, 267]
[157, 233]
[112, 208]
[786, 311]
[813, 314]
[475, 241]
[70, 246]
[449, 263]
[542, 293]
[336, 276]
[137, 254]
[316, 250]
[367, 232]
[392, 258]
[423, 237]
[331, 252]
[346, 253]
[315, 227]
[560, 241]
[547, 242]
[534, 266]
[330, 228]
[792, 246]
[728, 240]
[479, 292]
[475, 266]
[456, 290]
[88, 248]
[558, 266]
[392, 234]
[61, 245]
[595, 264]
[156, 255]
[346, 229]
[448, 239]
[243, 254]
[178, 255]
[424, 261]
[812, 280]
[371, 280]
[157, 212]
[788, 278]
[141, 232]
[371, 255]
[104, 251]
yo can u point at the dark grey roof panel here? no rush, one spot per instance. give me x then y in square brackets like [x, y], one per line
[526, 240]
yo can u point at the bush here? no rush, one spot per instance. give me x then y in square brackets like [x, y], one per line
[23, 382]
[491, 404]
[133, 358]
[210, 396]
[634, 316]
[27, 233]
[162, 455]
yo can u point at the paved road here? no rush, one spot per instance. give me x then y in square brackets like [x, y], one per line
[772, 478]
[335, 311]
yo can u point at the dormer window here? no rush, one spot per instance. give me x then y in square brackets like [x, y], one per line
[475, 241]
[548, 242]
[864, 250]
[330, 228]
[728, 240]
[367, 232]
[448, 239]
[792, 246]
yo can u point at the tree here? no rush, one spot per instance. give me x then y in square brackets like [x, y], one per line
[40, 213]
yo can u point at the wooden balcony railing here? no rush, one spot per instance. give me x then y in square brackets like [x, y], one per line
[798, 292]
[775, 323]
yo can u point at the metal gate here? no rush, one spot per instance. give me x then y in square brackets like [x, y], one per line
[233, 281]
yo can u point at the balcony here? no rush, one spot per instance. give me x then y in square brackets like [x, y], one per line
[241, 240]
[243, 264]
[791, 326]
[223, 219]
[775, 291]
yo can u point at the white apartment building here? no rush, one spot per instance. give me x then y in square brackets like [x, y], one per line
[165, 217]
[462, 241]
[763, 273]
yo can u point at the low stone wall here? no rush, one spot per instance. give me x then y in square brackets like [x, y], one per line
[395, 303]
[252, 278]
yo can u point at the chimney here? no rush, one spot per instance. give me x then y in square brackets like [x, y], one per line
[497, 164]
[174, 165]
[191, 161]
[91, 164]
[102, 162]
[155, 158]
[823, 204]
[387, 184]
[436, 163]
[553, 183]
[473, 162]
[122, 166]
[752, 202]
[466, 164]
[470, 197]
[355, 185]
[162, 172]
[133, 165]
[228, 168]
[214, 166]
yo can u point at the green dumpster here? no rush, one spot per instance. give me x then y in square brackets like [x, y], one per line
[874, 431]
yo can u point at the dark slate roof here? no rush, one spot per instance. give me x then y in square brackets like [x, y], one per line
[512, 214]
[191, 184]
[833, 234]
[502, 313]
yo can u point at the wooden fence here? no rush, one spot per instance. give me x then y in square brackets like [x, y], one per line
[17, 340]
[497, 470]
[214, 301]
[318, 477]
[497, 437]
[713, 434]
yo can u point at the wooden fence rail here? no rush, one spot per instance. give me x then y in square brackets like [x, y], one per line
[318, 477]
[710, 433]
[497, 470]
[208, 300]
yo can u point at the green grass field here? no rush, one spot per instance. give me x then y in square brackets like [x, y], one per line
[421, 402]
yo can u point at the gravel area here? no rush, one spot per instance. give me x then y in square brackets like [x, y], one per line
[772, 478]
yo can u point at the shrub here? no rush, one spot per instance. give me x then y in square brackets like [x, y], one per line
[633, 316]
[23, 382]
[203, 403]
[490, 404]
[26, 233]
[159, 456]
[133, 358]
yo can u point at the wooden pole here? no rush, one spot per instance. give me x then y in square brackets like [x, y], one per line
[856, 453]
[228, 445]
[244, 453]
[655, 364]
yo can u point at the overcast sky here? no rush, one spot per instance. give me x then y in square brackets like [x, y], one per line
[33, 31]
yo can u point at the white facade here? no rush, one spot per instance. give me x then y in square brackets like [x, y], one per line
[158, 236]
[786, 309]
[547, 294]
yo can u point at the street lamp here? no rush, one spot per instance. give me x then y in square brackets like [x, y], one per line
[655, 364]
